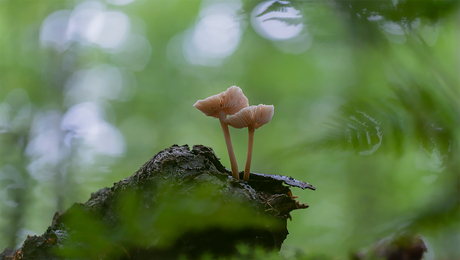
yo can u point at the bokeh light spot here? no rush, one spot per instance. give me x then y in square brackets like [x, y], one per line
[109, 29]
[216, 35]
[53, 30]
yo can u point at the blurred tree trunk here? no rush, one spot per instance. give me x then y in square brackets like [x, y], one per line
[17, 191]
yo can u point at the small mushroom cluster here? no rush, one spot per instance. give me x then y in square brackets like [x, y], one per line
[233, 103]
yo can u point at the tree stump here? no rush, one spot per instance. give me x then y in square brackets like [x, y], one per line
[181, 202]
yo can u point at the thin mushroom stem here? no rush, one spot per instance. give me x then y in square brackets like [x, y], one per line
[247, 169]
[228, 142]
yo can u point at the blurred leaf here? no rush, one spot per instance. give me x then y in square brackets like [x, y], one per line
[92, 239]
[365, 126]
[276, 6]
[286, 20]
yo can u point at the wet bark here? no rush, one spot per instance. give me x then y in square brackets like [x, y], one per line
[181, 202]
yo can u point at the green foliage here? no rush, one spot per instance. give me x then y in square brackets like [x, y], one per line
[177, 214]
[170, 215]
[90, 233]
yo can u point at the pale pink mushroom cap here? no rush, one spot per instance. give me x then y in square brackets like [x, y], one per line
[253, 115]
[230, 101]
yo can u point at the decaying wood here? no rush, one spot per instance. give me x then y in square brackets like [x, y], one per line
[106, 227]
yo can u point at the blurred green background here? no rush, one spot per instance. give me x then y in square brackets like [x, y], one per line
[366, 97]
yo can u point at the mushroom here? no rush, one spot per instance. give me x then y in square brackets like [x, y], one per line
[251, 117]
[219, 106]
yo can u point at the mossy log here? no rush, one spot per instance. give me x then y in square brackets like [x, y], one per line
[181, 202]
